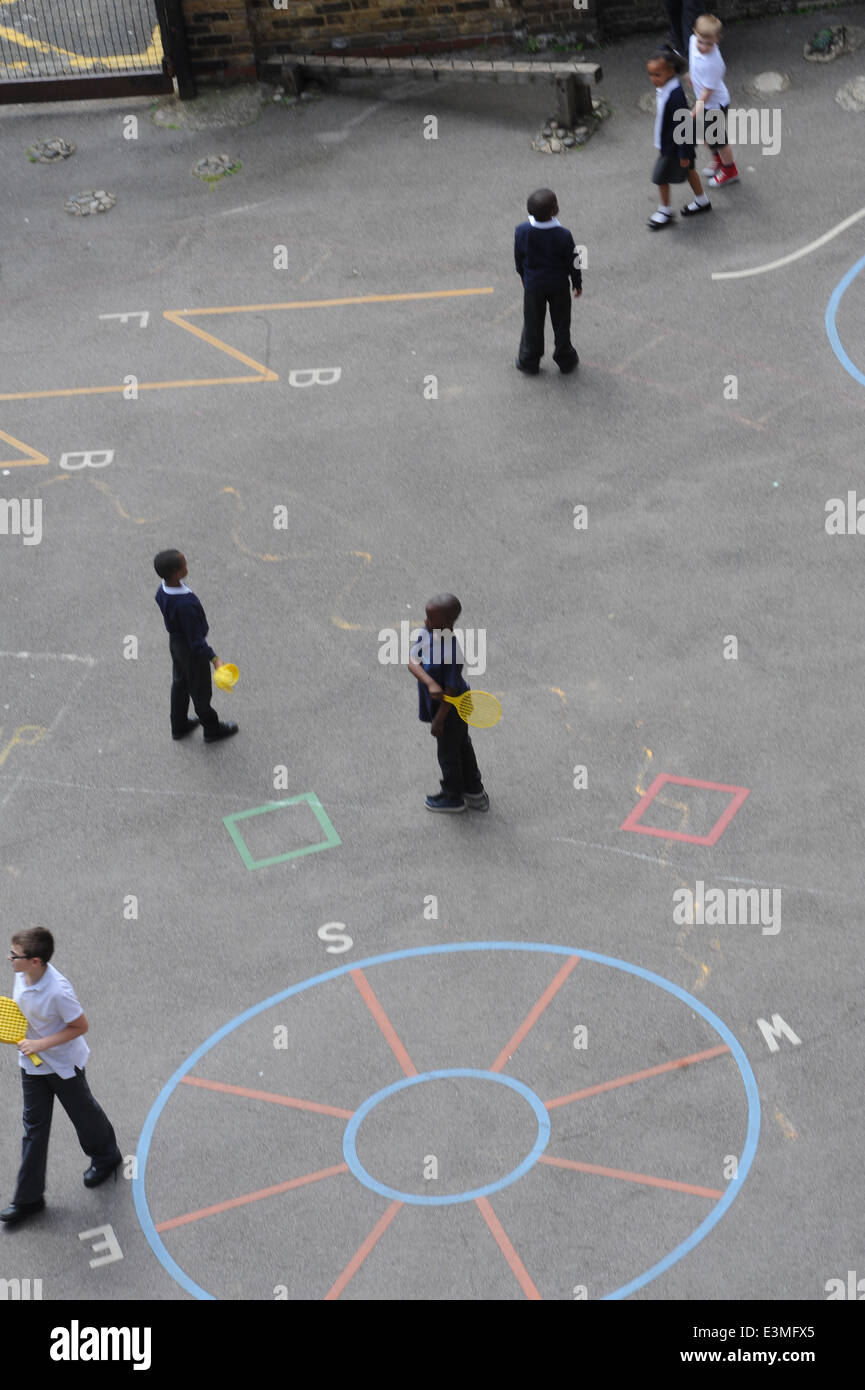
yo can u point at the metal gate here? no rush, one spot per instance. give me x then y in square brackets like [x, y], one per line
[62, 50]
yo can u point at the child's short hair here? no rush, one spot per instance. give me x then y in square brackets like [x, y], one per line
[542, 204]
[671, 56]
[447, 603]
[708, 26]
[168, 562]
[35, 942]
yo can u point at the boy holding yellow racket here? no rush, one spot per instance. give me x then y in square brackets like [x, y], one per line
[438, 672]
[190, 652]
[55, 1026]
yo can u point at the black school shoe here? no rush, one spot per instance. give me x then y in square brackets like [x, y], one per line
[19, 1211]
[94, 1176]
[659, 220]
[527, 371]
[566, 367]
[453, 804]
[692, 209]
[190, 725]
[221, 731]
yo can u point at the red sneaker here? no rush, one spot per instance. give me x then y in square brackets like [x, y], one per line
[726, 174]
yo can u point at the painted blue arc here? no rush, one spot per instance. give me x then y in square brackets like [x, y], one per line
[349, 1142]
[831, 313]
[733, 1188]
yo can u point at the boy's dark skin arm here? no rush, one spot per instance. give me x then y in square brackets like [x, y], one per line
[440, 618]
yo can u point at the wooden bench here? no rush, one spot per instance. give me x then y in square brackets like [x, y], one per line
[573, 80]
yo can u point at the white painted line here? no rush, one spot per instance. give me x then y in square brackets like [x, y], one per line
[49, 656]
[13, 783]
[142, 314]
[246, 207]
[794, 255]
[102, 791]
[335, 137]
[682, 869]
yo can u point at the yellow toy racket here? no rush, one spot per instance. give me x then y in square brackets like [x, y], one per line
[476, 707]
[226, 675]
[13, 1025]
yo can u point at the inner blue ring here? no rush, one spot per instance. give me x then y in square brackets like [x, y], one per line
[349, 1147]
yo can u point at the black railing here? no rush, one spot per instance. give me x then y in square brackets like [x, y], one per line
[43, 39]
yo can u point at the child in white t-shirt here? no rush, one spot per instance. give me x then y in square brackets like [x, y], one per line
[706, 69]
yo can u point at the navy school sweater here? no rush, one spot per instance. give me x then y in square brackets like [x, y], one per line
[544, 256]
[676, 101]
[184, 617]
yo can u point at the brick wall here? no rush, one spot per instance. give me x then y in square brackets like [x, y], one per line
[218, 38]
[621, 17]
[228, 37]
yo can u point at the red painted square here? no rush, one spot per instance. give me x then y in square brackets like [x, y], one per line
[631, 822]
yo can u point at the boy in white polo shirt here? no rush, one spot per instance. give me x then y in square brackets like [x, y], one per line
[706, 69]
[56, 1028]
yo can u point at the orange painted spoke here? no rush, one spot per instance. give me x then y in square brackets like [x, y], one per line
[269, 1096]
[384, 1023]
[357, 1260]
[250, 1197]
[531, 1019]
[510, 1254]
[630, 1177]
[331, 303]
[639, 1076]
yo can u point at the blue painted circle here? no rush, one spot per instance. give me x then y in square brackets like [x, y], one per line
[684, 1248]
[350, 1150]
[831, 312]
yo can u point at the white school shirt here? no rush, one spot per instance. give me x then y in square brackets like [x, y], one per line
[50, 1006]
[661, 95]
[707, 70]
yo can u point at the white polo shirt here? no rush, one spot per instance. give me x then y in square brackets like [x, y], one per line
[50, 1006]
[707, 70]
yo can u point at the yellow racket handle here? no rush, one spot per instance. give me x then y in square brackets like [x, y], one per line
[35, 1059]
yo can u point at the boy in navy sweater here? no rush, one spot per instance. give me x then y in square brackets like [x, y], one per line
[437, 666]
[544, 254]
[190, 654]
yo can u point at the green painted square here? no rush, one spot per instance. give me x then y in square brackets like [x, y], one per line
[330, 841]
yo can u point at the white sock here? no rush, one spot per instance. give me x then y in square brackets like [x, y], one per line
[663, 208]
[702, 199]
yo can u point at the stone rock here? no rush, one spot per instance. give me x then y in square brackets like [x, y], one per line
[851, 97]
[555, 146]
[214, 167]
[546, 131]
[769, 84]
[826, 45]
[212, 108]
[50, 151]
[92, 201]
[569, 142]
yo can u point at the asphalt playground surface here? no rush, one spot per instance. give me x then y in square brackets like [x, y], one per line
[605, 645]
